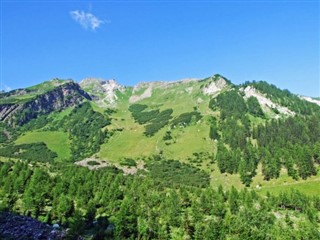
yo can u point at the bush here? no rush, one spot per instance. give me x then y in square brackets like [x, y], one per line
[171, 173]
[93, 163]
[32, 152]
[129, 162]
[186, 118]
[158, 123]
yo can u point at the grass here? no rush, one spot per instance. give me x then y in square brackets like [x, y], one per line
[310, 186]
[17, 99]
[131, 142]
[56, 141]
[284, 183]
[33, 92]
[188, 140]
[226, 180]
[4, 159]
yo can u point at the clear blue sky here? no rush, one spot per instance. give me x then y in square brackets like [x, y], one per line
[275, 41]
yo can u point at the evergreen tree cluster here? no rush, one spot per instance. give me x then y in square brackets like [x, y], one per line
[137, 207]
[230, 103]
[244, 141]
[85, 129]
[185, 119]
[30, 152]
[154, 119]
[284, 98]
[171, 173]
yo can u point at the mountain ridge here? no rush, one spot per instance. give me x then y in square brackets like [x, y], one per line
[109, 93]
[57, 97]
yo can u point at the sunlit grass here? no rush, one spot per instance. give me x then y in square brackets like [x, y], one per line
[56, 141]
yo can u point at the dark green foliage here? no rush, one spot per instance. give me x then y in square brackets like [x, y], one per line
[279, 142]
[231, 104]
[285, 98]
[83, 125]
[135, 207]
[167, 136]
[85, 130]
[270, 166]
[159, 122]
[37, 123]
[248, 165]
[7, 133]
[290, 142]
[137, 108]
[155, 119]
[129, 162]
[254, 107]
[234, 133]
[32, 152]
[141, 116]
[228, 161]
[144, 117]
[213, 134]
[185, 119]
[110, 111]
[93, 163]
[172, 173]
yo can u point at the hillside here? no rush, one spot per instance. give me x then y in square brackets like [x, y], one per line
[179, 141]
[199, 122]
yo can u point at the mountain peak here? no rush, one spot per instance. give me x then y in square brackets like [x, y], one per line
[103, 91]
[215, 84]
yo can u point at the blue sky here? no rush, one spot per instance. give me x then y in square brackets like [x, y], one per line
[275, 41]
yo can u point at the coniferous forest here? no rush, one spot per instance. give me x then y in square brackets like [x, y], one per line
[146, 207]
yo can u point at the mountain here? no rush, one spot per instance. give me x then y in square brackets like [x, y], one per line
[103, 92]
[186, 120]
[190, 159]
[20, 106]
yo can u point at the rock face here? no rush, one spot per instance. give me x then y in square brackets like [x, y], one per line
[264, 101]
[63, 96]
[102, 91]
[215, 86]
[146, 94]
[309, 99]
[20, 227]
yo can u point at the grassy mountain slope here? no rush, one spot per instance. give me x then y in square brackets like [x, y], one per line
[202, 115]
[181, 97]
[56, 141]
[24, 95]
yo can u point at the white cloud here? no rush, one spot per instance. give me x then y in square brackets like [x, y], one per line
[86, 20]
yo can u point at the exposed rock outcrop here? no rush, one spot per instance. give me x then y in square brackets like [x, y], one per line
[63, 96]
[102, 91]
[146, 94]
[21, 227]
[215, 86]
[264, 101]
[309, 99]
